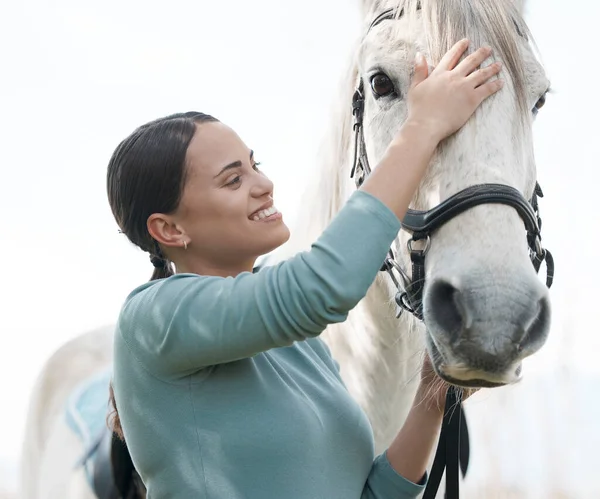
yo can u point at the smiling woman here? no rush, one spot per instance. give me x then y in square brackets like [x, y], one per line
[222, 385]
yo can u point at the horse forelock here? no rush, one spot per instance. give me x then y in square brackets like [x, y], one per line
[495, 22]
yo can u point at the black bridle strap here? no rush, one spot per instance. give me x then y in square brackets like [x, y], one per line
[386, 15]
[360, 152]
[549, 259]
[424, 222]
[447, 456]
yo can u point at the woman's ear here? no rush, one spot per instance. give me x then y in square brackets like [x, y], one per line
[165, 231]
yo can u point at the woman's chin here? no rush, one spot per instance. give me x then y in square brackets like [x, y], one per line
[280, 235]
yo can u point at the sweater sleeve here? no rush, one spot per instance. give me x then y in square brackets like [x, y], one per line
[187, 322]
[384, 482]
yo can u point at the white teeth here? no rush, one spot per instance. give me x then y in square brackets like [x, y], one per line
[265, 213]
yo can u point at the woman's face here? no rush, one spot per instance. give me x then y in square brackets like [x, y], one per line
[227, 210]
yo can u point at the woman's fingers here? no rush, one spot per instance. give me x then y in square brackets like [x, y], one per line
[487, 89]
[452, 57]
[421, 70]
[480, 76]
[473, 61]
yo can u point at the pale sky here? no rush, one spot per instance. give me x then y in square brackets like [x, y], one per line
[79, 76]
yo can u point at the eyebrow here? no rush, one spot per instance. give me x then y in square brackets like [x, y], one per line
[235, 164]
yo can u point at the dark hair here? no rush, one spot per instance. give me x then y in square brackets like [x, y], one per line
[146, 175]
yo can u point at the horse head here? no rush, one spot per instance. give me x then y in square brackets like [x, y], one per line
[483, 305]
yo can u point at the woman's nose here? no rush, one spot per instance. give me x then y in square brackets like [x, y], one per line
[263, 185]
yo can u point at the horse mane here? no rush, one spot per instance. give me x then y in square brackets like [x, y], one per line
[496, 22]
[330, 184]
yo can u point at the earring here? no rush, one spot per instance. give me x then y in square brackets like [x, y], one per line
[185, 245]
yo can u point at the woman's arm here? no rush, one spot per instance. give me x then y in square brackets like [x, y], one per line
[401, 471]
[410, 452]
[178, 325]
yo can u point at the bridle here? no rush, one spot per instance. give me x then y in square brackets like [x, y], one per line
[422, 224]
[452, 451]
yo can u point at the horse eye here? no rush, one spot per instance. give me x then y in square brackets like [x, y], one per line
[382, 86]
[540, 103]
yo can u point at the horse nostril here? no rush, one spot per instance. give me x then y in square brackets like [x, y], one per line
[448, 309]
[537, 326]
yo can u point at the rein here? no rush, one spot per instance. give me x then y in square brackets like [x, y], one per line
[452, 452]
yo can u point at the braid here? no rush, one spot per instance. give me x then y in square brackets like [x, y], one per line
[162, 265]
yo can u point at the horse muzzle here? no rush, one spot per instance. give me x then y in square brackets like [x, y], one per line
[478, 336]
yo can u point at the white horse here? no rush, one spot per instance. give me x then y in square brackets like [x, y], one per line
[480, 254]
[479, 259]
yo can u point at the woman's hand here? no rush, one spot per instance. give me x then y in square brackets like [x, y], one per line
[432, 389]
[442, 102]
[438, 105]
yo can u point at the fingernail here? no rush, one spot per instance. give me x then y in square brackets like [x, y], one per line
[419, 58]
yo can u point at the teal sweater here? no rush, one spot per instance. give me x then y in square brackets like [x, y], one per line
[225, 390]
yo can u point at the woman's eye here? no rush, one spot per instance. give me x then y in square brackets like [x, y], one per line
[255, 166]
[381, 85]
[236, 180]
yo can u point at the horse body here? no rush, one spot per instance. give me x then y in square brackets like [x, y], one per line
[50, 449]
[481, 253]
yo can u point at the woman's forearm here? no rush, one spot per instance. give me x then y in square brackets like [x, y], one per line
[411, 450]
[395, 179]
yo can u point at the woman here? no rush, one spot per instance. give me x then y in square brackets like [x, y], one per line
[223, 387]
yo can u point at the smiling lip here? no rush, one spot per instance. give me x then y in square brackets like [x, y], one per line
[270, 218]
[265, 206]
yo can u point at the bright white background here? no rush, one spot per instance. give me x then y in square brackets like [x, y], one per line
[77, 77]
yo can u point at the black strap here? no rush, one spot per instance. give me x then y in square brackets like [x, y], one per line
[414, 292]
[360, 164]
[386, 15]
[448, 455]
[428, 221]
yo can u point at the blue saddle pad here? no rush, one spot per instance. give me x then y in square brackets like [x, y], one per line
[86, 412]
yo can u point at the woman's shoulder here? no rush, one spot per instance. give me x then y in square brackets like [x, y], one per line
[165, 287]
[155, 294]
